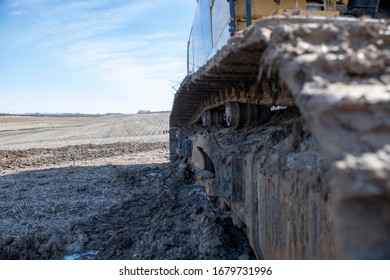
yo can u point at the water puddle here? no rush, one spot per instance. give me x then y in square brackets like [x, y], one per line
[82, 256]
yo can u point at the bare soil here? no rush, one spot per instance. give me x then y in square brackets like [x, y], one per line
[105, 199]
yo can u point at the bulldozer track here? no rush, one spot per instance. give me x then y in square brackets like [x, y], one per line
[318, 167]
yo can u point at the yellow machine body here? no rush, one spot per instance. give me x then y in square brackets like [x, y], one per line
[216, 21]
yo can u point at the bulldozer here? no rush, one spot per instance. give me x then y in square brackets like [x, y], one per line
[284, 117]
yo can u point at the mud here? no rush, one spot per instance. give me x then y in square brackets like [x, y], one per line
[130, 205]
[343, 93]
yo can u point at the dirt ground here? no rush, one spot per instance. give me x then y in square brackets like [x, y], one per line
[22, 133]
[121, 200]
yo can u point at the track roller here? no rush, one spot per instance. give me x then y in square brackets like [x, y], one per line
[243, 115]
[232, 114]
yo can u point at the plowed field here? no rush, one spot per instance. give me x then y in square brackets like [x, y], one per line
[103, 188]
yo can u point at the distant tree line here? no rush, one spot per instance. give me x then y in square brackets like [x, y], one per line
[151, 112]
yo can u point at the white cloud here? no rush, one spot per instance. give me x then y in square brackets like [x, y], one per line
[17, 13]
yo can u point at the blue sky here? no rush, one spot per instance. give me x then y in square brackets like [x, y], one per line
[92, 56]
